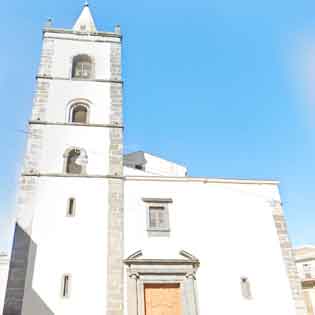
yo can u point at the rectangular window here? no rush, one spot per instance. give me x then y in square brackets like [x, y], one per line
[71, 207]
[157, 216]
[65, 286]
[245, 287]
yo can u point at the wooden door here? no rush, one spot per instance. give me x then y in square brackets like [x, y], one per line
[162, 299]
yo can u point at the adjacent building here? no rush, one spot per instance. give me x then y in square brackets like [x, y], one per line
[305, 261]
[100, 233]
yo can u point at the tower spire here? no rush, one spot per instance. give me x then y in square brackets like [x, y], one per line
[85, 22]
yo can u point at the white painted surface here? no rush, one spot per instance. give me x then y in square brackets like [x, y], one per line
[75, 245]
[229, 228]
[65, 92]
[57, 139]
[4, 269]
[65, 50]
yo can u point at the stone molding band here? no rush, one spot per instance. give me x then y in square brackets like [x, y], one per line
[78, 80]
[40, 122]
[67, 31]
[70, 175]
[82, 39]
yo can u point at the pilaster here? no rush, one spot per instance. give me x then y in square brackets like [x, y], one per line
[115, 277]
[288, 258]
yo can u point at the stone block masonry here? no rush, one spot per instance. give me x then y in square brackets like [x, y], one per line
[289, 260]
[115, 271]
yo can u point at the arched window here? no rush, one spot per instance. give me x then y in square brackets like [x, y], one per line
[75, 161]
[79, 114]
[82, 67]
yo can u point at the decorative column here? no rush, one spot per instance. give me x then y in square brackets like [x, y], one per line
[132, 293]
[190, 293]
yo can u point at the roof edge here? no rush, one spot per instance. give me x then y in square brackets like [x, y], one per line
[204, 180]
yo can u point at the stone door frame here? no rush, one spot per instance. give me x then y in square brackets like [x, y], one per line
[161, 271]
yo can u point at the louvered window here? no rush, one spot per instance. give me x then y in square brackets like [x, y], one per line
[158, 223]
[82, 67]
[157, 217]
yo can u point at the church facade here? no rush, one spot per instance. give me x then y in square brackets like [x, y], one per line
[104, 233]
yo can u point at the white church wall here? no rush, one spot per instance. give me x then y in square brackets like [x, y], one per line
[64, 92]
[65, 50]
[229, 227]
[80, 244]
[56, 141]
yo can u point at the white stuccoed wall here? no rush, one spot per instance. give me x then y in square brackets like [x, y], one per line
[75, 245]
[4, 268]
[229, 227]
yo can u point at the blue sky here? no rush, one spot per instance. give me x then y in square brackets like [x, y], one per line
[224, 87]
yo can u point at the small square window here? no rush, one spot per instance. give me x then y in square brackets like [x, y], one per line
[157, 216]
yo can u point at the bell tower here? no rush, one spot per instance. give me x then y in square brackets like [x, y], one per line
[68, 243]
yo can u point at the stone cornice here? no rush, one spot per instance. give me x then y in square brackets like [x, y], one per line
[156, 178]
[35, 174]
[78, 80]
[72, 32]
[40, 122]
[157, 200]
[160, 262]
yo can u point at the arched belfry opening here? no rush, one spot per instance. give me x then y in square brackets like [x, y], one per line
[75, 161]
[79, 113]
[82, 67]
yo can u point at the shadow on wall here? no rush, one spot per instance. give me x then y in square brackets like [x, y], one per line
[19, 291]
